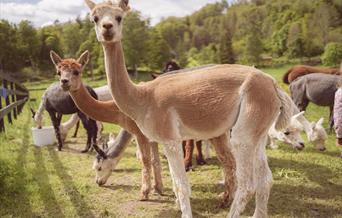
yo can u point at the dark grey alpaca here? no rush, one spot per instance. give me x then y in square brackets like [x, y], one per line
[57, 102]
[317, 88]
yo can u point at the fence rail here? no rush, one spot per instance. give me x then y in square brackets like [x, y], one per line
[13, 96]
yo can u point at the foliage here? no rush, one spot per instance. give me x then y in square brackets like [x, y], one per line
[244, 31]
[332, 54]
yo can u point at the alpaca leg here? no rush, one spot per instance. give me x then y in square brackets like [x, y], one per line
[207, 151]
[56, 123]
[244, 156]
[200, 160]
[181, 184]
[224, 154]
[156, 168]
[86, 126]
[76, 129]
[331, 120]
[94, 133]
[145, 151]
[189, 150]
[263, 177]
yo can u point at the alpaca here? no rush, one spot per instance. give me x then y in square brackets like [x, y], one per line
[108, 112]
[172, 67]
[233, 104]
[290, 136]
[315, 132]
[57, 102]
[317, 88]
[301, 70]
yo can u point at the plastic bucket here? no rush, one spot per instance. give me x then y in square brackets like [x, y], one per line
[44, 136]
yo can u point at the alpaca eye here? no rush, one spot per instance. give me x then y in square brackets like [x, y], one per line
[287, 133]
[75, 73]
[99, 169]
[96, 18]
[118, 19]
[58, 73]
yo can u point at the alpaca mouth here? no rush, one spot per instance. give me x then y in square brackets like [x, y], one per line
[108, 36]
[65, 87]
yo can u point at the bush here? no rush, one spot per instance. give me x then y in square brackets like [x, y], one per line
[332, 55]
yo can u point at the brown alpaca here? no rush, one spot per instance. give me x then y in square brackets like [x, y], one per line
[70, 78]
[301, 70]
[232, 104]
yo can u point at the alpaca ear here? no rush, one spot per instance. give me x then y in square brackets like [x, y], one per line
[84, 58]
[111, 137]
[90, 4]
[55, 58]
[124, 5]
[320, 122]
[298, 115]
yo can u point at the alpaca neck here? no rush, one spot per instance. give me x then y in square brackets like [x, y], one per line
[97, 110]
[306, 125]
[125, 93]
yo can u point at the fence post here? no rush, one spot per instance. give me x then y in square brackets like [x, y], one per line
[13, 88]
[9, 116]
[2, 124]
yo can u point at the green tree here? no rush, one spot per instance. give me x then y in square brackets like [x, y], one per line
[135, 39]
[28, 43]
[159, 52]
[332, 54]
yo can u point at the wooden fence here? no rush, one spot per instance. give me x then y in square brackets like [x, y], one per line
[13, 96]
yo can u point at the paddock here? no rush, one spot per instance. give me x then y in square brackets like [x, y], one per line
[41, 182]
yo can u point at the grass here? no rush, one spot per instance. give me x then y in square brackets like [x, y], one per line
[40, 182]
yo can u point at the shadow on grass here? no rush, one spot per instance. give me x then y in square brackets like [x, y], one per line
[17, 190]
[45, 190]
[70, 188]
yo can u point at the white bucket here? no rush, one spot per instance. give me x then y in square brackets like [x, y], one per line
[44, 136]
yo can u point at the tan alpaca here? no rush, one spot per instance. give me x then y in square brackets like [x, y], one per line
[109, 112]
[202, 104]
[70, 72]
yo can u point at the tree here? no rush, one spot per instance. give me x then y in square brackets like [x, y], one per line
[332, 54]
[135, 39]
[226, 53]
[159, 52]
[28, 43]
[295, 42]
[8, 46]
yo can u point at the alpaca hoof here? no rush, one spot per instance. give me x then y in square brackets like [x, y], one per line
[144, 197]
[226, 200]
[84, 151]
[158, 191]
[201, 162]
[58, 149]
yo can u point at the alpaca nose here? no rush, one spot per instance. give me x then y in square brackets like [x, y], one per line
[302, 144]
[107, 26]
[64, 81]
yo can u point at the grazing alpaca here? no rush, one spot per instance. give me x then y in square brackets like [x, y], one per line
[108, 112]
[233, 104]
[315, 132]
[301, 70]
[290, 136]
[57, 102]
[317, 88]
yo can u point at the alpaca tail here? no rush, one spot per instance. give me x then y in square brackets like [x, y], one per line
[286, 109]
[286, 76]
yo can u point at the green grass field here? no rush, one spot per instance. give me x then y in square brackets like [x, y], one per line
[41, 182]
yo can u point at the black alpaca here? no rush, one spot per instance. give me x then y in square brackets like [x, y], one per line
[57, 102]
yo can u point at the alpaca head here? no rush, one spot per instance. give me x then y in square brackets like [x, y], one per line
[108, 17]
[292, 135]
[70, 70]
[318, 135]
[103, 165]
